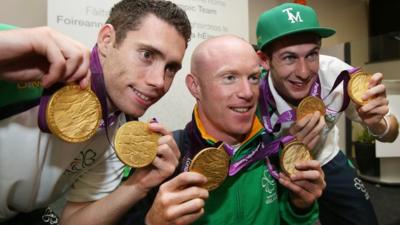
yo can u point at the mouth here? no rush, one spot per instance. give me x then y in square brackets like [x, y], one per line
[141, 95]
[298, 84]
[240, 109]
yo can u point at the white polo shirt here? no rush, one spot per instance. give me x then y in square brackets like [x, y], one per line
[36, 168]
[329, 70]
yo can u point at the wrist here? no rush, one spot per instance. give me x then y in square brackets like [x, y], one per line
[382, 133]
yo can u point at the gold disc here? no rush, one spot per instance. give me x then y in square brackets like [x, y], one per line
[213, 163]
[292, 153]
[358, 85]
[309, 105]
[135, 144]
[73, 114]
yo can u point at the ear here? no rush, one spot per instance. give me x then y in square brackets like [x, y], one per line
[264, 59]
[106, 39]
[193, 85]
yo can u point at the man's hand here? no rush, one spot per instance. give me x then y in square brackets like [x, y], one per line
[41, 53]
[308, 129]
[179, 201]
[377, 107]
[306, 185]
[162, 167]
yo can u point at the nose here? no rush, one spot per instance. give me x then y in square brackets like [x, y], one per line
[156, 77]
[302, 70]
[247, 90]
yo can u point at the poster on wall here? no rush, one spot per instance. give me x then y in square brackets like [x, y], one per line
[82, 19]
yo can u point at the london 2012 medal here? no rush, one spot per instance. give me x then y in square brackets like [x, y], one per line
[358, 85]
[213, 163]
[73, 114]
[309, 105]
[292, 153]
[136, 145]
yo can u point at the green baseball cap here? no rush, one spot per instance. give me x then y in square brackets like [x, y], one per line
[286, 19]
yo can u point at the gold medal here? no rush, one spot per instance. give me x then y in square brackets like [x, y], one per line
[292, 153]
[358, 85]
[73, 114]
[309, 105]
[135, 144]
[213, 163]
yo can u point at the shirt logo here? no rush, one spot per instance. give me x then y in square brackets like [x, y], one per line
[293, 18]
[269, 185]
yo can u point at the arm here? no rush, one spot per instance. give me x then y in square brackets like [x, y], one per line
[110, 209]
[179, 201]
[374, 114]
[44, 54]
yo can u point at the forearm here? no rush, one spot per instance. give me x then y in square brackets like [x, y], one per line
[106, 211]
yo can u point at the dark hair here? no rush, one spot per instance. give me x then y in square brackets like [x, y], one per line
[127, 15]
[270, 47]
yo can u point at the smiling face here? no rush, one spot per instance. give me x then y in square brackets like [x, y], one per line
[140, 70]
[294, 64]
[225, 76]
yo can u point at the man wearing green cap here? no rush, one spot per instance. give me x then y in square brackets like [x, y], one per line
[289, 39]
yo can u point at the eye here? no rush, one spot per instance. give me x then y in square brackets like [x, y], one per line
[146, 56]
[229, 78]
[313, 56]
[254, 79]
[289, 59]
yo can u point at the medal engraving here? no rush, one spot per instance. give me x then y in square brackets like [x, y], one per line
[73, 114]
[309, 105]
[135, 144]
[213, 163]
[292, 153]
[358, 85]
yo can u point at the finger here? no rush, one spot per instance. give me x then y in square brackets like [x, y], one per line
[169, 143]
[374, 91]
[311, 144]
[308, 165]
[376, 78]
[82, 67]
[316, 131]
[190, 218]
[374, 104]
[56, 65]
[159, 128]
[188, 207]
[165, 153]
[85, 82]
[189, 193]
[185, 179]
[76, 56]
[311, 123]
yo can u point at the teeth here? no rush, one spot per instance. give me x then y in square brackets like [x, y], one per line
[142, 96]
[241, 110]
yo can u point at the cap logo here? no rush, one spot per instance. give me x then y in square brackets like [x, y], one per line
[293, 18]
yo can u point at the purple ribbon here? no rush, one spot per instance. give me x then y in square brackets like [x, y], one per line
[262, 152]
